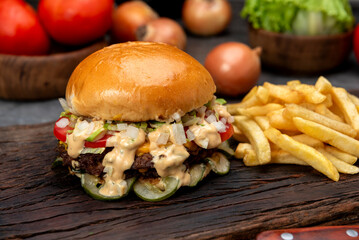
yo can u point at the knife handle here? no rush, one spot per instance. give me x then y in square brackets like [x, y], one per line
[313, 233]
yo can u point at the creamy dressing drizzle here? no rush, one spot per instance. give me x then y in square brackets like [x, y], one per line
[206, 135]
[168, 158]
[119, 160]
[221, 110]
[76, 140]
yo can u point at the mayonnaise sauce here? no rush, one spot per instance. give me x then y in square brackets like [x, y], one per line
[168, 159]
[206, 135]
[76, 140]
[221, 110]
[119, 160]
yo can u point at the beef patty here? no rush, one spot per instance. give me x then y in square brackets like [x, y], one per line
[142, 165]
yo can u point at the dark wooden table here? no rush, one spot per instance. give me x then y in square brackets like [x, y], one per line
[39, 203]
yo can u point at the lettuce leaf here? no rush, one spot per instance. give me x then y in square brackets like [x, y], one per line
[301, 17]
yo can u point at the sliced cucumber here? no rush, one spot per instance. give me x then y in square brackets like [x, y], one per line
[219, 163]
[207, 170]
[58, 162]
[196, 172]
[226, 149]
[92, 185]
[148, 191]
[95, 135]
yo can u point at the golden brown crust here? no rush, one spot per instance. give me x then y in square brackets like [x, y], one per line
[138, 81]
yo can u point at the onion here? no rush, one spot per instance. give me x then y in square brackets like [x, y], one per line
[223, 120]
[204, 143]
[132, 132]
[176, 116]
[163, 30]
[163, 138]
[178, 133]
[206, 17]
[63, 104]
[121, 126]
[202, 110]
[211, 118]
[190, 135]
[234, 66]
[90, 127]
[82, 125]
[230, 119]
[129, 16]
[191, 121]
[219, 126]
[63, 122]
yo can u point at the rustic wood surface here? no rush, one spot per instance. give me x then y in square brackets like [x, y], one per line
[39, 203]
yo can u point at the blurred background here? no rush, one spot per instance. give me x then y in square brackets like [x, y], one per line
[344, 74]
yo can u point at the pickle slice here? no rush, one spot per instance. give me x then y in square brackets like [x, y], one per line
[92, 184]
[154, 190]
[196, 172]
[219, 163]
[226, 149]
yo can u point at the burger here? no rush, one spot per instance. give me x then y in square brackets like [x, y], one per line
[142, 116]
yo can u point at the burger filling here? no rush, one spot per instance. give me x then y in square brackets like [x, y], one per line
[115, 151]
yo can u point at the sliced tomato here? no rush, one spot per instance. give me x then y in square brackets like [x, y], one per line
[99, 143]
[228, 133]
[60, 134]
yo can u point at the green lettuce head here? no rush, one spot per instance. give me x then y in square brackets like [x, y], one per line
[300, 17]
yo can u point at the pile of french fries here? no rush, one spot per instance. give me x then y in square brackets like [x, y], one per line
[316, 125]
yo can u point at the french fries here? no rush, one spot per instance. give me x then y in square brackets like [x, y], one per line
[303, 152]
[311, 125]
[255, 136]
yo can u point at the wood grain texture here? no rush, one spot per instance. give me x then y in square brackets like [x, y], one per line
[39, 203]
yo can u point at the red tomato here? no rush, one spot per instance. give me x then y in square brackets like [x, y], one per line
[20, 30]
[228, 133]
[356, 42]
[60, 134]
[99, 143]
[76, 22]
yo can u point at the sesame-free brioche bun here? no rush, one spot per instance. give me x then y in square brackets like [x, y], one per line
[138, 81]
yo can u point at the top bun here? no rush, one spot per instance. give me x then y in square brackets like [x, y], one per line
[138, 81]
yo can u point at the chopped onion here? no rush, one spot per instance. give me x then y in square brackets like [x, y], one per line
[63, 104]
[63, 122]
[230, 119]
[178, 133]
[224, 120]
[190, 135]
[220, 126]
[90, 128]
[163, 138]
[191, 121]
[82, 125]
[204, 143]
[208, 112]
[202, 110]
[132, 132]
[211, 118]
[121, 126]
[176, 116]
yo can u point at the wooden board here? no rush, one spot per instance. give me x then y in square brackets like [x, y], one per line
[37, 202]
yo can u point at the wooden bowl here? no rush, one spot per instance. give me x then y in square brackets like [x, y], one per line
[40, 77]
[301, 54]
